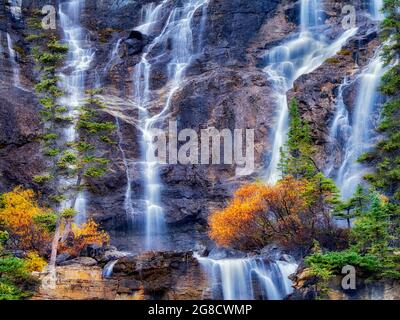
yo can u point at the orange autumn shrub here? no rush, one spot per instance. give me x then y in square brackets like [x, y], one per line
[84, 235]
[19, 213]
[237, 223]
[285, 213]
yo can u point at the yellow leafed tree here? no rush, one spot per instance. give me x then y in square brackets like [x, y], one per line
[18, 213]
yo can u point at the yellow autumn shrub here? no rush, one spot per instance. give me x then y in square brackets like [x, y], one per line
[33, 262]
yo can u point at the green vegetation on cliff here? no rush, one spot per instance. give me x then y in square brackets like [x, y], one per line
[386, 157]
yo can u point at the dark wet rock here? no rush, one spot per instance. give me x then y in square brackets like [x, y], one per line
[93, 251]
[20, 129]
[63, 257]
[135, 42]
[305, 288]
[161, 275]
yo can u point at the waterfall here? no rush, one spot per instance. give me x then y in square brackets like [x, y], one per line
[13, 62]
[360, 126]
[113, 56]
[128, 207]
[375, 7]
[309, 14]
[176, 38]
[340, 130]
[289, 61]
[72, 82]
[109, 268]
[355, 131]
[15, 9]
[248, 278]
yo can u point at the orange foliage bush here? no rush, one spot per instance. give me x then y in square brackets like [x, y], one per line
[84, 235]
[287, 213]
[18, 211]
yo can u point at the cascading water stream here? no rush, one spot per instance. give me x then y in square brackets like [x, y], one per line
[375, 7]
[355, 131]
[340, 130]
[362, 126]
[72, 82]
[288, 62]
[113, 57]
[13, 62]
[248, 278]
[15, 9]
[310, 15]
[128, 207]
[177, 38]
[109, 268]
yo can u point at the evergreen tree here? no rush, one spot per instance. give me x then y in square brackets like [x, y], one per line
[297, 156]
[371, 230]
[353, 207]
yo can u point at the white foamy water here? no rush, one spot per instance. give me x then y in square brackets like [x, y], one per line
[176, 38]
[354, 130]
[289, 61]
[248, 278]
[80, 57]
[13, 61]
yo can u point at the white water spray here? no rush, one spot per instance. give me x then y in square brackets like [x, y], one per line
[113, 57]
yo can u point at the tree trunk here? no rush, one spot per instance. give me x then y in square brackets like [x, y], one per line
[68, 223]
[54, 244]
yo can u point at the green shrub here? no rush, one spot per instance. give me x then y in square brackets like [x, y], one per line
[68, 158]
[15, 281]
[68, 213]
[56, 47]
[50, 136]
[333, 261]
[95, 172]
[95, 127]
[47, 220]
[42, 179]
[34, 37]
[52, 152]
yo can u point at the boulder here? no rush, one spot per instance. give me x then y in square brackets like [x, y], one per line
[82, 261]
[63, 257]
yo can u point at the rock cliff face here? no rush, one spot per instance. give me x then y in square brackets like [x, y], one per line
[306, 288]
[149, 276]
[224, 87]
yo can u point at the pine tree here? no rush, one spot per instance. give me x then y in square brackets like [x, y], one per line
[297, 156]
[353, 207]
[371, 230]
